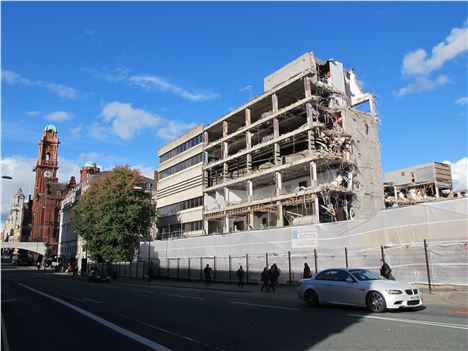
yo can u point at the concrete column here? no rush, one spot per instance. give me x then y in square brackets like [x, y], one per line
[205, 138]
[307, 87]
[277, 154]
[279, 214]
[225, 129]
[276, 127]
[249, 163]
[437, 191]
[274, 103]
[248, 140]
[225, 171]
[313, 174]
[226, 196]
[278, 183]
[225, 149]
[205, 179]
[395, 190]
[226, 224]
[311, 115]
[311, 141]
[251, 220]
[248, 119]
[249, 187]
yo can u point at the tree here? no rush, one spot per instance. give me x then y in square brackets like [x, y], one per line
[112, 215]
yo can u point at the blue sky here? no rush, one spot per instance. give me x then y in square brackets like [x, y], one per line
[120, 79]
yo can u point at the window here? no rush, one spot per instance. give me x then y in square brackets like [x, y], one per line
[179, 206]
[181, 148]
[181, 166]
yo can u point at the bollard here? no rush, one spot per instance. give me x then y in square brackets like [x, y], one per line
[382, 252]
[201, 269]
[289, 264]
[178, 268]
[266, 259]
[168, 267]
[427, 267]
[214, 269]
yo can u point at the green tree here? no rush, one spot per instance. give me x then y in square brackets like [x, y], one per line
[113, 215]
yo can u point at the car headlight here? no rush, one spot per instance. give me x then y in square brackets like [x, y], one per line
[394, 292]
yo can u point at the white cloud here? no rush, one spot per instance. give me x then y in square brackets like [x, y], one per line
[459, 174]
[462, 101]
[418, 62]
[99, 132]
[422, 83]
[147, 171]
[173, 129]
[58, 116]
[33, 113]
[153, 83]
[126, 120]
[61, 90]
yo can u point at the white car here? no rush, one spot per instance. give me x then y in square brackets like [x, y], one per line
[358, 287]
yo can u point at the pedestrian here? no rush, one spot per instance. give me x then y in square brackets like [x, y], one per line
[273, 275]
[38, 265]
[75, 270]
[307, 273]
[240, 277]
[207, 272]
[150, 273]
[265, 279]
[385, 270]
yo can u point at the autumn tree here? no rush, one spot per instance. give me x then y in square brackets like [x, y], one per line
[113, 215]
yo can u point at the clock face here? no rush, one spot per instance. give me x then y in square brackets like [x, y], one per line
[47, 174]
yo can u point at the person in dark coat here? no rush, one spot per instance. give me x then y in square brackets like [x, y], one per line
[273, 275]
[207, 272]
[385, 270]
[240, 277]
[306, 273]
[265, 279]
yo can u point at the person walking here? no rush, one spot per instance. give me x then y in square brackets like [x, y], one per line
[273, 276]
[240, 277]
[207, 272]
[265, 279]
[306, 273]
[385, 270]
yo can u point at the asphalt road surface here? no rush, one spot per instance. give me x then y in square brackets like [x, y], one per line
[45, 311]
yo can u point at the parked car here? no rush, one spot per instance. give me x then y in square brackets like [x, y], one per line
[358, 287]
[96, 276]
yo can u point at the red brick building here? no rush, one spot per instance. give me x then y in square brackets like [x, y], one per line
[48, 192]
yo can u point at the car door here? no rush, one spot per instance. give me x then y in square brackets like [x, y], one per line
[343, 288]
[322, 285]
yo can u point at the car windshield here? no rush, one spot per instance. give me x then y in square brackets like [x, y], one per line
[364, 274]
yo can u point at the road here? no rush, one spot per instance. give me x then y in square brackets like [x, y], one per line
[46, 311]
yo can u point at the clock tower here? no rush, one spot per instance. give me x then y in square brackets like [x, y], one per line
[48, 192]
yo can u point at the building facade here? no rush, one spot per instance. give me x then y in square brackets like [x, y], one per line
[300, 153]
[179, 190]
[48, 192]
[415, 184]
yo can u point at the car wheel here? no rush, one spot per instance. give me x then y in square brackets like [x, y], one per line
[311, 298]
[376, 302]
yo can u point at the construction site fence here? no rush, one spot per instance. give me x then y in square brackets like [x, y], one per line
[431, 263]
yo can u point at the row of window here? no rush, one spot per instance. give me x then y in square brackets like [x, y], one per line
[181, 166]
[179, 228]
[183, 205]
[181, 148]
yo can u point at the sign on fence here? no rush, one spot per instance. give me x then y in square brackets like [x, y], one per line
[304, 238]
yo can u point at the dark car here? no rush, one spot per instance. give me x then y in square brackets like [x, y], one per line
[96, 276]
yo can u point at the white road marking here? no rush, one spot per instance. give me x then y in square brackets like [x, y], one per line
[415, 321]
[8, 300]
[187, 297]
[266, 306]
[157, 328]
[90, 300]
[149, 343]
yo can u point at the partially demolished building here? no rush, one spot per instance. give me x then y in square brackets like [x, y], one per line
[416, 184]
[300, 153]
